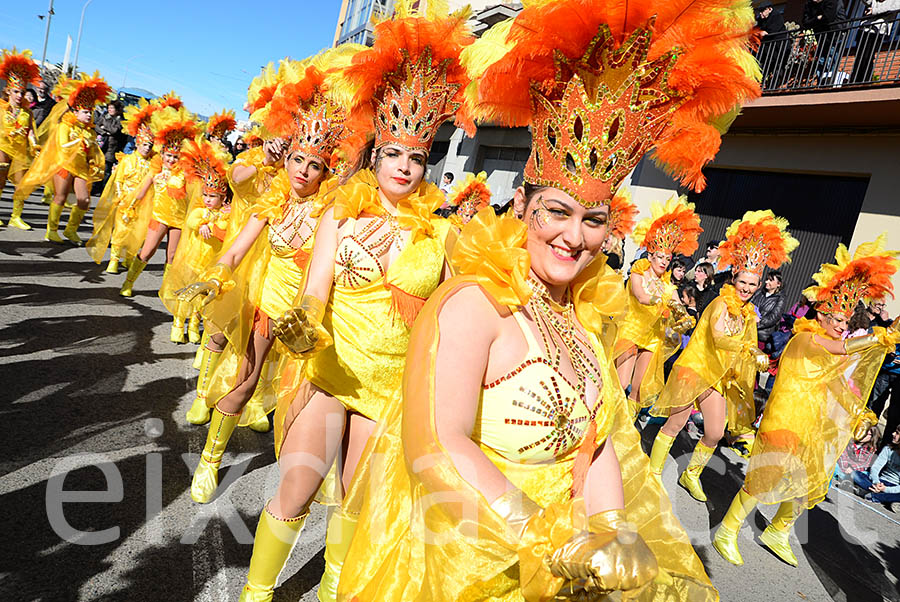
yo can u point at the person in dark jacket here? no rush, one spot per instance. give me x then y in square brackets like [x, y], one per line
[770, 303]
[821, 15]
[774, 48]
[108, 125]
[44, 104]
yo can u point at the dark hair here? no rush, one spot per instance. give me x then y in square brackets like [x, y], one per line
[860, 318]
[530, 191]
[707, 269]
[449, 175]
[690, 290]
[713, 244]
[679, 262]
[891, 444]
[362, 160]
[118, 105]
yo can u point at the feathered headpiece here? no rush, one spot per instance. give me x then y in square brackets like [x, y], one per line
[253, 137]
[470, 196]
[622, 213]
[136, 121]
[263, 88]
[220, 124]
[169, 99]
[411, 80]
[84, 92]
[601, 83]
[864, 277]
[757, 240]
[206, 163]
[673, 227]
[306, 109]
[18, 69]
[171, 127]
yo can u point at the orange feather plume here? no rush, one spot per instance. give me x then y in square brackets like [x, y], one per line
[622, 213]
[206, 163]
[757, 240]
[137, 116]
[169, 99]
[221, 123]
[84, 92]
[18, 70]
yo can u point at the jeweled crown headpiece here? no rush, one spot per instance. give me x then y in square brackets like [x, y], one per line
[206, 163]
[866, 276]
[171, 127]
[411, 80]
[18, 69]
[601, 83]
[757, 240]
[84, 92]
[136, 121]
[221, 123]
[470, 196]
[672, 228]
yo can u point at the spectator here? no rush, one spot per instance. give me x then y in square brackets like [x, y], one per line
[712, 254]
[877, 314]
[239, 147]
[859, 455]
[887, 385]
[774, 49]
[821, 15]
[614, 248]
[770, 303]
[30, 98]
[704, 279]
[446, 183]
[45, 103]
[882, 482]
[108, 125]
[679, 271]
[873, 34]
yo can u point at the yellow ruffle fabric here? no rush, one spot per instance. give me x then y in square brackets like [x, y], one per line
[716, 360]
[71, 146]
[644, 327]
[247, 193]
[810, 417]
[17, 138]
[425, 534]
[119, 191]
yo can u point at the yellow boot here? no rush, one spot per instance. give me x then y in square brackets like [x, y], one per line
[199, 356]
[661, 446]
[53, 224]
[47, 196]
[134, 270]
[113, 267]
[199, 412]
[194, 329]
[71, 231]
[690, 478]
[272, 546]
[725, 540]
[177, 333]
[16, 220]
[340, 532]
[206, 477]
[777, 535]
[257, 419]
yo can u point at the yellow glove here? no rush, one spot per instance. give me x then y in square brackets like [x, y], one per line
[610, 557]
[866, 420]
[300, 329]
[760, 359]
[199, 294]
[858, 344]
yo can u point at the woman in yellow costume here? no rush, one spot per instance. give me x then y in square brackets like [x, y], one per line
[650, 332]
[163, 189]
[512, 470]
[258, 277]
[70, 158]
[379, 254]
[718, 368]
[468, 197]
[17, 136]
[114, 225]
[818, 402]
[622, 217]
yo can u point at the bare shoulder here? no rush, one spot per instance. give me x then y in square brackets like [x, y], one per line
[468, 310]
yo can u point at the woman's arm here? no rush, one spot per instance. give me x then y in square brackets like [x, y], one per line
[241, 245]
[636, 282]
[878, 464]
[603, 485]
[321, 265]
[242, 173]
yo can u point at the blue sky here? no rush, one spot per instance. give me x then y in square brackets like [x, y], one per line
[206, 51]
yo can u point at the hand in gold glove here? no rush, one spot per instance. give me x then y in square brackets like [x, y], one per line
[199, 294]
[610, 557]
[300, 329]
[866, 420]
[760, 359]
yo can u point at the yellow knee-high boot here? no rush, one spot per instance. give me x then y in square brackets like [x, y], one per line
[206, 477]
[176, 335]
[134, 270]
[690, 478]
[53, 224]
[71, 231]
[777, 535]
[198, 357]
[257, 419]
[340, 532]
[275, 538]
[16, 220]
[113, 267]
[725, 540]
[194, 329]
[200, 412]
[661, 446]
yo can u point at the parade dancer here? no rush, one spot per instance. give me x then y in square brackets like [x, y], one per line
[17, 136]
[468, 197]
[818, 402]
[717, 370]
[219, 125]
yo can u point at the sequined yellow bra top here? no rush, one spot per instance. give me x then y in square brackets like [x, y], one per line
[356, 262]
[292, 231]
[533, 414]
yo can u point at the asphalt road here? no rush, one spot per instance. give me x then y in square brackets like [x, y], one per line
[93, 396]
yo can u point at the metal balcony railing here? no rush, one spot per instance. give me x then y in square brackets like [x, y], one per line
[862, 52]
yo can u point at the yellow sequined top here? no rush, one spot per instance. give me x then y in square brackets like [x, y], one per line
[810, 417]
[719, 360]
[424, 533]
[168, 194]
[17, 137]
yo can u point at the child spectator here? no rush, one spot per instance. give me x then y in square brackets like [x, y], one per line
[859, 455]
[882, 482]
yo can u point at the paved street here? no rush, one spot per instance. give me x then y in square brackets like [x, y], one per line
[93, 400]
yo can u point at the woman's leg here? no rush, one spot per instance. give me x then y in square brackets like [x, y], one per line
[172, 244]
[155, 233]
[61, 187]
[712, 406]
[16, 220]
[666, 437]
[641, 362]
[625, 366]
[210, 354]
[83, 203]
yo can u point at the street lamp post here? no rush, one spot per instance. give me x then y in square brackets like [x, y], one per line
[78, 43]
[46, 35]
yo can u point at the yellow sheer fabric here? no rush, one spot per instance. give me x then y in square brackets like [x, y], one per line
[71, 146]
[117, 194]
[248, 193]
[645, 327]
[424, 533]
[717, 360]
[16, 137]
[810, 417]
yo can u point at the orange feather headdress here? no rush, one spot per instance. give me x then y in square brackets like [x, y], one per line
[18, 69]
[84, 92]
[221, 123]
[865, 276]
[601, 83]
[253, 137]
[169, 99]
[172, 126]
[622, 213]
[672, 228]
[411, 80]
[757, 240]
[470, 196]
[136, 121]
[206, 163]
